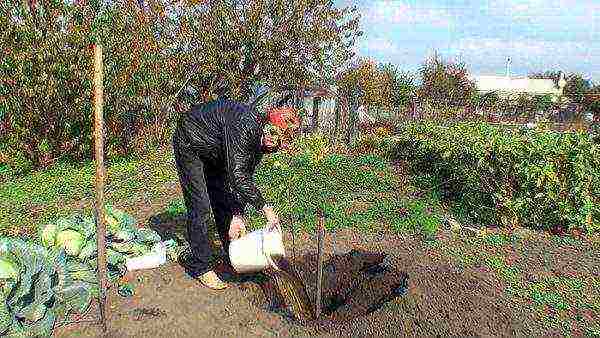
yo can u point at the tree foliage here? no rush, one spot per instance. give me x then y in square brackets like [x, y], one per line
[592, 100]
[381, 85]
[445, 82]
[399, 85]
[575, 88]
[362, 79]
[278, 42]
[153, 52]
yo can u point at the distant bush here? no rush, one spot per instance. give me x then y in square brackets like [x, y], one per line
[445, 83]
[501, 176]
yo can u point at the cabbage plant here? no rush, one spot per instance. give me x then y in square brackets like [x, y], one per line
[45, 282]
[37, 289]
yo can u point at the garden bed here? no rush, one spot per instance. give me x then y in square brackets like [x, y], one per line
[529, 282]
[446, 296]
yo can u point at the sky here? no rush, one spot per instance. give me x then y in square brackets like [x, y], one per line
[537, 35]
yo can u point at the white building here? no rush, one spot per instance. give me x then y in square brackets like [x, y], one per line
[507, 86]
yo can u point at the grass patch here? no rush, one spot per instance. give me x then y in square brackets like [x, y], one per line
[29, 201]
[176, 208]
[353, 191]
[467, 260]
[566, 241]
[419, 220]
[497, 239]
[551, 291]
[542, 293]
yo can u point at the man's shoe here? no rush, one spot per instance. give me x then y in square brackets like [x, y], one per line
[212, 281]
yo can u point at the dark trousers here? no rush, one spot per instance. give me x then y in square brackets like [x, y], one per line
[204, 190]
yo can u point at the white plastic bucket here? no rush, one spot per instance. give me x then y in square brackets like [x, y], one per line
[254, 252]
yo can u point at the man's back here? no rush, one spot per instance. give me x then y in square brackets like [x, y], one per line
[204, 128]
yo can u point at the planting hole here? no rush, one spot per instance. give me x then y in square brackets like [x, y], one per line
[354, 285]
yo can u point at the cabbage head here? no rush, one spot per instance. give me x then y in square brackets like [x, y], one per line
[117, 219]
[139, 249]
[124, 235]
[48, 234]
[88, 251]
[71, 240]
[112, 224]
[124, 247]
[8, 269]
[147, 235]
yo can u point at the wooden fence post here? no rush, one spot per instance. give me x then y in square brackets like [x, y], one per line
[99, 157]
[320, 253]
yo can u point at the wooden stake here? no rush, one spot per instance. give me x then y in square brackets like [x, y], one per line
[99, 156]
[320, 237]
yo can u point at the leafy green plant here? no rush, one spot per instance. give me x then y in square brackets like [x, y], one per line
[507, 177]
[42, 284]
[176, 208]
[497, 239]
[79, 240]
[42, 292]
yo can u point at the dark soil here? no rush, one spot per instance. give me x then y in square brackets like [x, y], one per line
[354, 285]
[443, 298]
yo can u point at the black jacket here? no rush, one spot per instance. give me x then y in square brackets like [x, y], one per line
[226, 134]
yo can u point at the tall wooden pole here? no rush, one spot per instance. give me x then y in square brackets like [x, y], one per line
[320, 239]
[99, 156]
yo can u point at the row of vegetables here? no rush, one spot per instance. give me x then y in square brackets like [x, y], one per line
[42, 282]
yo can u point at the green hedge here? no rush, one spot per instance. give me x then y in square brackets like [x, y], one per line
[493, 175]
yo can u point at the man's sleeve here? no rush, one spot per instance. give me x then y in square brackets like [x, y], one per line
[237, 207]
[240, 147]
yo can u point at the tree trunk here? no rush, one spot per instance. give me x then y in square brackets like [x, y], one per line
[352, 117]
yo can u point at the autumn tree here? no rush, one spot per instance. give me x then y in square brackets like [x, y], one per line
[278, 42]
[399, 85]
[592, 100]
[445, 82]
[153, 51]
[366, 77]
[575, 88]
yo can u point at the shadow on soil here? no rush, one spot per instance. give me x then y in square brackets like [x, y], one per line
[170, 226]
[354, 284]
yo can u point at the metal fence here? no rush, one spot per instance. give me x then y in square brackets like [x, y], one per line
[343, 122]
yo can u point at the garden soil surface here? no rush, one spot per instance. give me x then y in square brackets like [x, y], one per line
[441, 299]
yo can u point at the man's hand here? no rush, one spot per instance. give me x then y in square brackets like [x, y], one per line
[236, 227]
[272, 219]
